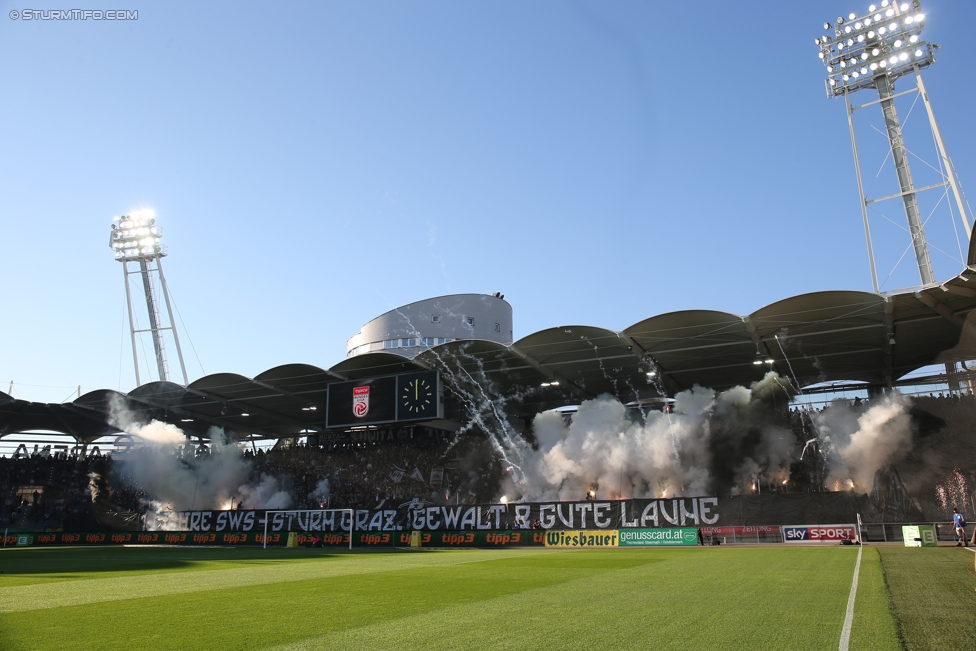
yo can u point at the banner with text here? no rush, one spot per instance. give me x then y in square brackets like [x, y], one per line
[421, 516]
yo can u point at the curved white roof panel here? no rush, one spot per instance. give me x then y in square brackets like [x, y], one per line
[810, 338]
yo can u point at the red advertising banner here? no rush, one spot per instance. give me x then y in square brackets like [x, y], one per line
[517, 538]
[740, 531]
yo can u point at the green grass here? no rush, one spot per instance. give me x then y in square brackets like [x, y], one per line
[873, 626]
[696, 598]
[932, 596]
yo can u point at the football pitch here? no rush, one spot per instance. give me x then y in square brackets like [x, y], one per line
[692, 598]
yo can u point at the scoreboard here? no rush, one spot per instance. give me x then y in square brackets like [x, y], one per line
[387, 399]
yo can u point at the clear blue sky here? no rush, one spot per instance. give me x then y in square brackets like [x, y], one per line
[316, 164]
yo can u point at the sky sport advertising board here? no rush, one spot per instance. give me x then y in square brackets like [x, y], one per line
[658, 537]
[819, 533]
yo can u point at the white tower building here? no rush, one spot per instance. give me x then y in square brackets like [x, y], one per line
[415, 327]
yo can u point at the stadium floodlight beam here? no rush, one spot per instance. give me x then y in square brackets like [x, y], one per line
[136, 238]
[872, 51]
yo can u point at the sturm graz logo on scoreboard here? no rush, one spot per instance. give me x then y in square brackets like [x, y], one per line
[360, 401]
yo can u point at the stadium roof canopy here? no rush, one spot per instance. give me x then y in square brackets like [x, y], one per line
[810, 339]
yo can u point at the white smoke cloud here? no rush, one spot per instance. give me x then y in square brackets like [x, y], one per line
[155, 433]
[321, 493]
[736, 441]
[185, 482]
[266, 494]
[176, 479]
[777, 449]
[859, 445]
[604, 450]
[160, 433]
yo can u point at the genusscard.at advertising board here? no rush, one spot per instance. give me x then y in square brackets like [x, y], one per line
[414, 515]
[658, 537]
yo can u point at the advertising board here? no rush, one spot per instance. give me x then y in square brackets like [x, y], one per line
[919, 535]
[819, 533]
[583, 538]
[658, 537]
[741, 531]
[515, 538]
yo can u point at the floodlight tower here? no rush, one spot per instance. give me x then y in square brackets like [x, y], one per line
[135, 238]
[872, 51]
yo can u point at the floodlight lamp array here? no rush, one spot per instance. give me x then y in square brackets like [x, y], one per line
[884, 41]
[136, 236]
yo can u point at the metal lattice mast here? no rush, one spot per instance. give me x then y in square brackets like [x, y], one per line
[872, 51]
[136, 238]
[157, 336]
[886, 91]
[169, 311]
[946, 161]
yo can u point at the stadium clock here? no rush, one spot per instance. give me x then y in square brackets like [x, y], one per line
[417, 399]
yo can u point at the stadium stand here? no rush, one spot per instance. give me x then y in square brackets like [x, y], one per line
[55, 491]
[59, 492]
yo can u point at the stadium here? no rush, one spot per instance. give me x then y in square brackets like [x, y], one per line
[786, 478]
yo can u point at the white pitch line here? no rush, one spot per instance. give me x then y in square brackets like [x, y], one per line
[845, 633]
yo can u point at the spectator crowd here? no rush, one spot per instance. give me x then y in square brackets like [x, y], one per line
[58, 491]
